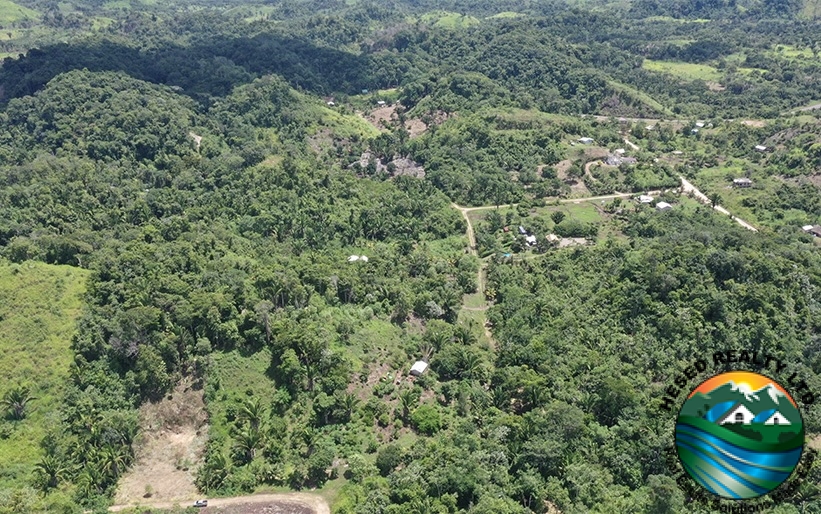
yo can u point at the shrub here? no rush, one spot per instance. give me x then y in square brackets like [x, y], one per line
[426, 419]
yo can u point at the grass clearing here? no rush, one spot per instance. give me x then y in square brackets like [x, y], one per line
[641, 96]
[11, 12]
[505, 15]
[345, 126]
[684, 70]
[449, 20]
[39, 304]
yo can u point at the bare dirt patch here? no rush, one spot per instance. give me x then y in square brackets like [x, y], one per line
[168, 450]
[577, 187]
[258, 508]
[385, 117]
[814, 180]
[754, 123]
[715, 86]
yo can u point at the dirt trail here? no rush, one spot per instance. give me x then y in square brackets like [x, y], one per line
[687, 187]
[631, 144]
[311, 501]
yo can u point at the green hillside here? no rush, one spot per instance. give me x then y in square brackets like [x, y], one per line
[39, 304]
[11, 12]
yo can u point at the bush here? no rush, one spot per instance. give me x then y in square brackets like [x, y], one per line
[426, 419]
[388, 458]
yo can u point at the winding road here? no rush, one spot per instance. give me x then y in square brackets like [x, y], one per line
[311, 501]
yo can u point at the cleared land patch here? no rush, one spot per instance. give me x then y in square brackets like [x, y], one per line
[11, 12]
[39, 304]
[169, 448]
[684, 70]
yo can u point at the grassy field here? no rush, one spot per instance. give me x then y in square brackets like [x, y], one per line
[39, 304]
[11, 12]
[449, 20]
[505, 14]
[642, 96]
[684, 70]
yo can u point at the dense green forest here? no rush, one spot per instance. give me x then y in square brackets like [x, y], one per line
[204, 172]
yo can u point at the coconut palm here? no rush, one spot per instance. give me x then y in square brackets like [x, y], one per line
[408, 400]
[246, 443]
[51, 471]
[253, 412]
[15, 402]
[112, 461]
[348, 403]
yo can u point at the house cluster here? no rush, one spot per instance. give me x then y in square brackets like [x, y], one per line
[529, 238]
[617, 158]
[660, 206]
[813, 230]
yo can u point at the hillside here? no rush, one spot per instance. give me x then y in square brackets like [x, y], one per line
[279, 208]
[39, 307]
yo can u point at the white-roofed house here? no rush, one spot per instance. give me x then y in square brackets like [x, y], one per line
[418, 368]
[353, 258]
[663, 206]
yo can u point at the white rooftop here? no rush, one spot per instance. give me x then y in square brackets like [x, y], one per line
[663, 206]
[418, 368]
[645, 199]
[353, 258]
[760, 148]
[619, 151]
[531, 239]
[363, 258]
[806, 228]
[700, 124]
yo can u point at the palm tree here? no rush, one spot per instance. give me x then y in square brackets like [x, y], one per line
[349, 403]
[253, 412]
[15, 401]
[408, 399]
[472, 366]
[112, 462]
[51, 470]
[715, 198]
[246, 443]
[464, 335]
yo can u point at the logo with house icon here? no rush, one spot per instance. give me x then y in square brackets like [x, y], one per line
[739, 435]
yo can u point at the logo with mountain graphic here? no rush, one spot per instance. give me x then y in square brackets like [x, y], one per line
[739, 435]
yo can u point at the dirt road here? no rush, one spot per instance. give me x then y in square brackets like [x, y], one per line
[311, 501]
[687, 187]
[810, 107]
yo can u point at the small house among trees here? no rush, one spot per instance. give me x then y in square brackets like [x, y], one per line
[418, 368]
[742, 182]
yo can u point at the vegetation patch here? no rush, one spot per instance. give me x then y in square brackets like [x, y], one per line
[684, 70]
[39, 305]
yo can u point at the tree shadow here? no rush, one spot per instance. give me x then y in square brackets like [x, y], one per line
[203, 71]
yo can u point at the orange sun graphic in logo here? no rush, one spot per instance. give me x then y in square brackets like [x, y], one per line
[745, 381]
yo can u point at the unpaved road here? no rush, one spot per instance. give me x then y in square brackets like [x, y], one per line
[311, 501]
[687, 187]
[810, 107]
